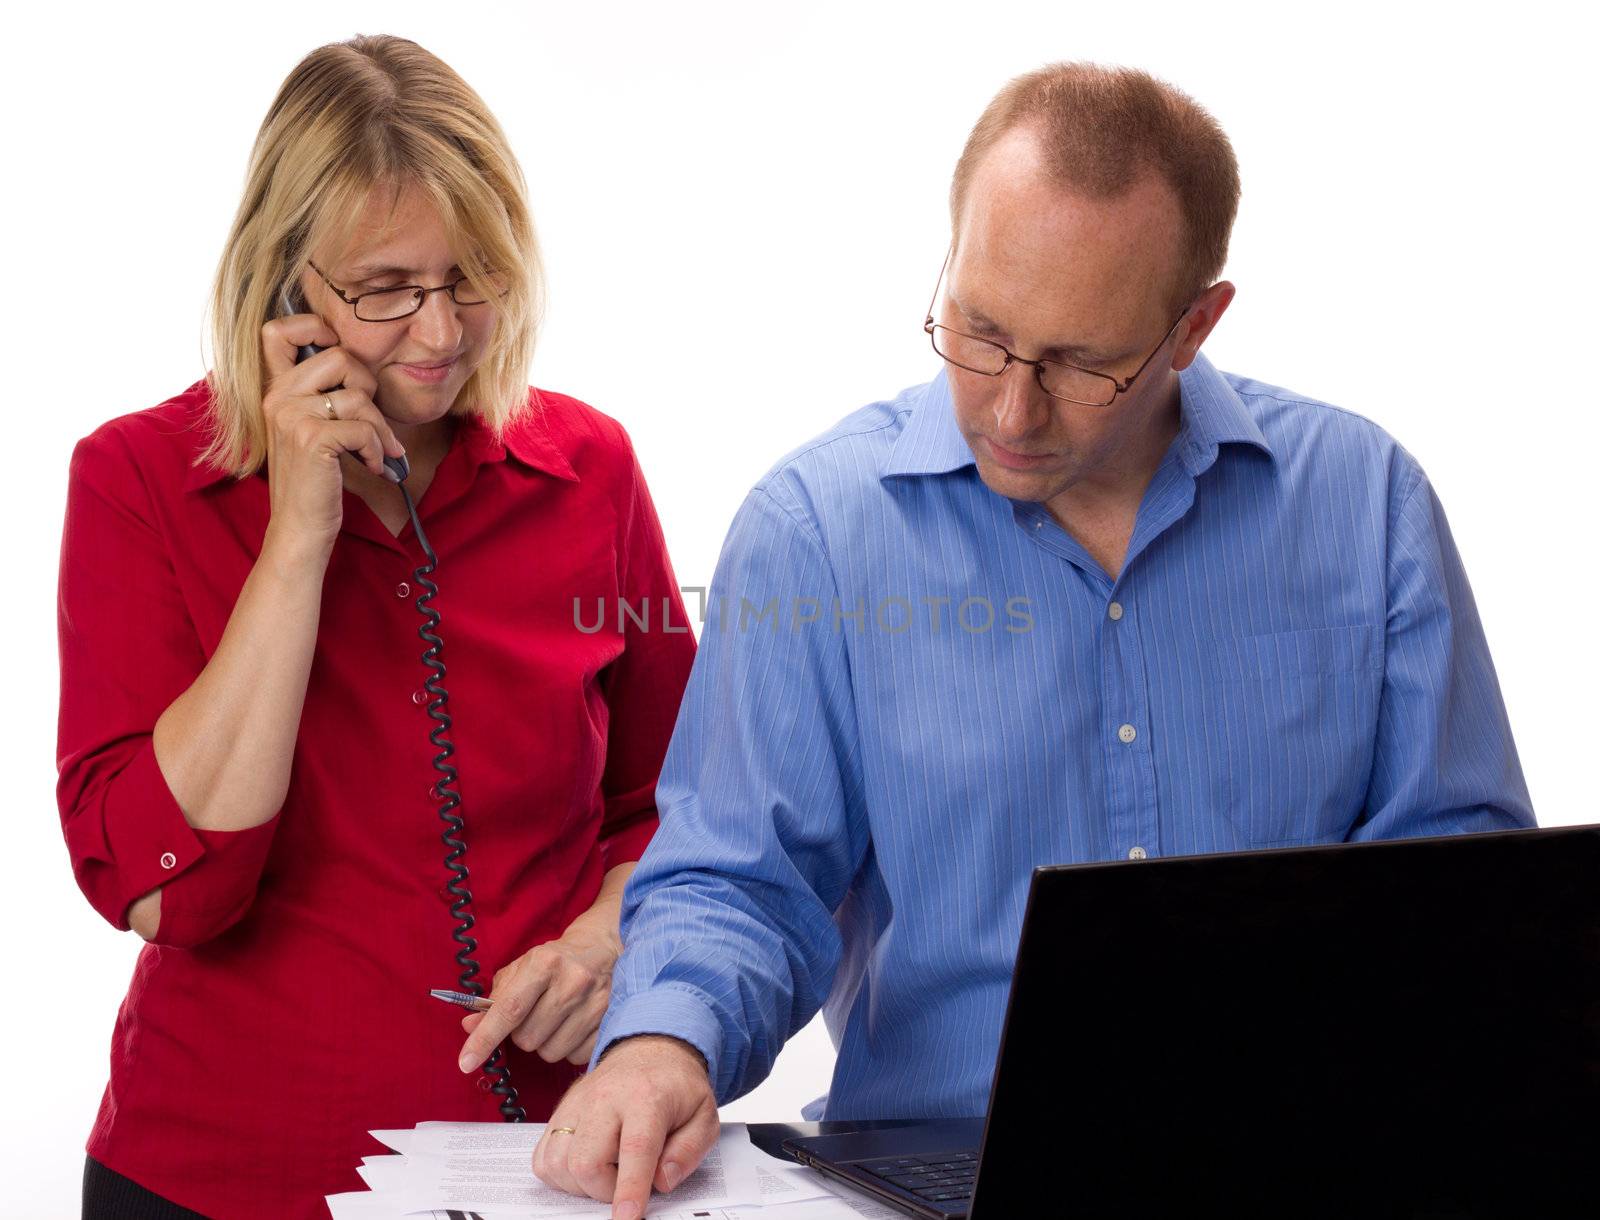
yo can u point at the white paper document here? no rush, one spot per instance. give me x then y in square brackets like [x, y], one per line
[383, 1172]
[484, 1171]
[488, 1167]
[400, 1141]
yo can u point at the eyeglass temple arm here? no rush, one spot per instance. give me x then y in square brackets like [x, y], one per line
[1122, 386]
[927, 323]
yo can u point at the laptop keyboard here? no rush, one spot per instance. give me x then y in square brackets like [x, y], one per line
[944, 1178]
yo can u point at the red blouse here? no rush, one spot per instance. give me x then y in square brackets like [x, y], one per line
[282, 1010]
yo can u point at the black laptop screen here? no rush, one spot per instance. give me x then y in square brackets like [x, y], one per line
[1316, 1029]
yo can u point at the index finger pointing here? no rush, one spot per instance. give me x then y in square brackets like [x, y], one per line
[637, 1153]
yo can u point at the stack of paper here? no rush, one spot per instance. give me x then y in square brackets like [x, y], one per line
[484, 1171]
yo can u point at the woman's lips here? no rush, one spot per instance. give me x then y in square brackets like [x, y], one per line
[429, 375]
[1016, 461]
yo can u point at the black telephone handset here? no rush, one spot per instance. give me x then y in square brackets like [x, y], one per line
[291, 302]
[494, 1068]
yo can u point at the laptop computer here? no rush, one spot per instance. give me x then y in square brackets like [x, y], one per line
[1404, 1028]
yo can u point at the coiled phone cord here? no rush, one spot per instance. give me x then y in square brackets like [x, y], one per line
[461, 896]
[291, 302]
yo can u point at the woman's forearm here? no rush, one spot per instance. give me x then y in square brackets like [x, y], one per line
[224, 746]
[604, 917]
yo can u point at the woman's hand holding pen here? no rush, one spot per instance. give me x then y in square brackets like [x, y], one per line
[305, 440]
[550, 1000]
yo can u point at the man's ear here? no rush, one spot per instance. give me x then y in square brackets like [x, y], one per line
[1203, 315]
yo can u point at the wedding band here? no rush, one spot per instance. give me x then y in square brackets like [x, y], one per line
[328, 398]
[562, 1131]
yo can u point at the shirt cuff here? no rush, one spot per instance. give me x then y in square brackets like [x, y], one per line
[153, 845]
[627, 844]
[671, 1009]
[208, 900]
[147, 836]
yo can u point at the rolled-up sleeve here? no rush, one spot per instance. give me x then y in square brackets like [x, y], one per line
[644, 685]
[1444, 760]
[728, 922]
[128, 648]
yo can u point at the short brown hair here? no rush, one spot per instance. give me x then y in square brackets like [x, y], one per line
[1101, 128]
[375, 111]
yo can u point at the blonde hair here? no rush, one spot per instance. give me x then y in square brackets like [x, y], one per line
[1100, 128]
[373, 111]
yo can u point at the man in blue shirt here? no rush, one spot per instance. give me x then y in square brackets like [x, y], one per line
[1080, 597]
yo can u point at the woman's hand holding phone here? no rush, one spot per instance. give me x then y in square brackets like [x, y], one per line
[305, 446]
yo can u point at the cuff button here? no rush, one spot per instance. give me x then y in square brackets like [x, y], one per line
[168, 859]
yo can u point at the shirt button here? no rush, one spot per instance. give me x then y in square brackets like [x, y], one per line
[1114, 610]
[168, 860]
[1127, 733]
[483, 1083]
[402, 590]
[419, 697]
[1038, 525]
[1136, 853]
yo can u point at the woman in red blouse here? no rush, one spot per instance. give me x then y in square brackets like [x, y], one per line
[246, 772]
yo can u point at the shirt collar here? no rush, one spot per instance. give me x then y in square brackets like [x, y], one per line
[1213, 414]
[930, 443]
[528, 440]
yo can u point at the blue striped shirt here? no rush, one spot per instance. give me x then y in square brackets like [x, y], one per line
[911, 690]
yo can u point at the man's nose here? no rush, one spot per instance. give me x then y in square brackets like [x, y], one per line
[1020, 406]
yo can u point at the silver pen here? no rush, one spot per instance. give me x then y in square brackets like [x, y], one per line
[478, 1003]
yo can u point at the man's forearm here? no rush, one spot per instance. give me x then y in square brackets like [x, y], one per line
[668, 1038]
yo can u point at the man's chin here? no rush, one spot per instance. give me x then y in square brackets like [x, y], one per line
[1028, 485]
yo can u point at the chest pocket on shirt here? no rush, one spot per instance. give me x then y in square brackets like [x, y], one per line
[1295, 713]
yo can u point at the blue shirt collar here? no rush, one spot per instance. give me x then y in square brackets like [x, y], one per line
[930, 442]
[1213, 414]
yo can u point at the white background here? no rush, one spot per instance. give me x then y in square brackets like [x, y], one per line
[716, 187]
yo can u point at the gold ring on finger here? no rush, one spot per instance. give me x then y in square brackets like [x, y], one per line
[562, 1131]
[328, 398]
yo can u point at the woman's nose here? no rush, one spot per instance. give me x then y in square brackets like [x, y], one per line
[436, 325]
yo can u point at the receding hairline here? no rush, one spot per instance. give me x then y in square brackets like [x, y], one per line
[1030, 134]
[1100, 130]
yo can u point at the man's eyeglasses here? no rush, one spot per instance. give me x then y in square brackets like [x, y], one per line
[1067, 382]
[403, 300]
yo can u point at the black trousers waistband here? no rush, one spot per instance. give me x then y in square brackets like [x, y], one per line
[107, 1195]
